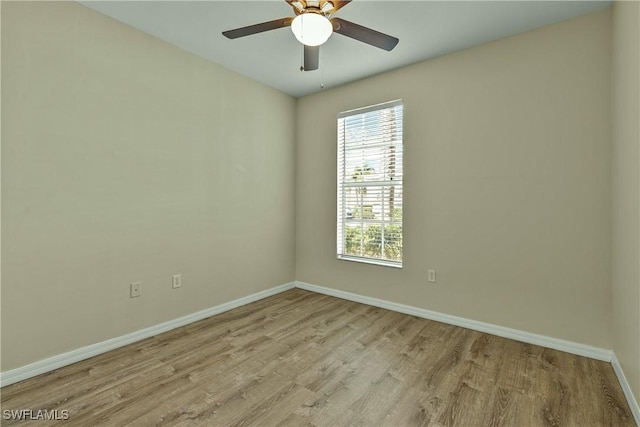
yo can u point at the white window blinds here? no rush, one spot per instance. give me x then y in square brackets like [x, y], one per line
[370, 160]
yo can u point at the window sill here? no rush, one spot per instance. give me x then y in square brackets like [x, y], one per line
[380, 262]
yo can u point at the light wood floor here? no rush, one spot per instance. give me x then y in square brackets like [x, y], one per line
[300, 358]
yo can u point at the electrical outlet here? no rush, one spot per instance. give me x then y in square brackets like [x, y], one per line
[176, 281]
[135, 289]
[432, 275]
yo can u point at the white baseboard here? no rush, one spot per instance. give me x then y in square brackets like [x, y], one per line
[55, 362]
[541, 340]
[626, 388]
[501, 331]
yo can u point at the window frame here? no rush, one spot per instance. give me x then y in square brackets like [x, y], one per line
[342, 211]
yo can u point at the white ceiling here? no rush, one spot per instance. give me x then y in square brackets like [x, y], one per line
[426, 29]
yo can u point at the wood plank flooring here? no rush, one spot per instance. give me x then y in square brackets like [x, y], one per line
[305, 359]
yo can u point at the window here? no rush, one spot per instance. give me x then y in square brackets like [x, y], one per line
[370, 184]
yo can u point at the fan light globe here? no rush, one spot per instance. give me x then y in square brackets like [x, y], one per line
[311, 29]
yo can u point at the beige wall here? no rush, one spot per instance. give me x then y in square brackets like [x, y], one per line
[507, 185]
[626, 190]
[125, 159]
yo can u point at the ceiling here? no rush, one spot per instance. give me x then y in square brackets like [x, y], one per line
[426, 29]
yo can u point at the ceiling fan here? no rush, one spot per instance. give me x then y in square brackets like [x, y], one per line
[312, 26]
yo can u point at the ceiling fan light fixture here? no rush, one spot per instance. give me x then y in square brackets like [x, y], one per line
[311, 29]
[328, 6]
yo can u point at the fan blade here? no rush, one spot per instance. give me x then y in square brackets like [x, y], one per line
[257, 28]
[364, 34]
[311, 57]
